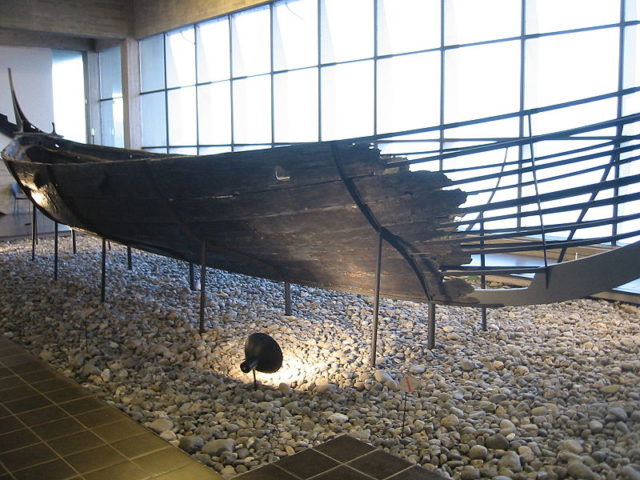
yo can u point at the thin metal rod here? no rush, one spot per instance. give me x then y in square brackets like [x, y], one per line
[255, 382]
[129, 258]
[376, 302]
[73, 241]
[287, 299]
[55, 251]
[103, 282]
[192, 277]
[34, 233]
[203, 283]
[431, 324]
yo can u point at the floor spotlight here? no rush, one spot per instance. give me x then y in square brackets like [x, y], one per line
[261, 353]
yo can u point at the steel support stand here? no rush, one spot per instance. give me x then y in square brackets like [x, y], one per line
[104, 271]
[73, 241]
[55, 251]
[431, 324]
[376, 301]
[203, 284]
[34, 233]
[129, 258]
[287, 299]
[192, 277]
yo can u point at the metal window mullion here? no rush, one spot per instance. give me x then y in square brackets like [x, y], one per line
[523, 49]
[231, 113]
[195, 53]
[271, 65]
[166, 93]
[375, 66]
[442, 82]
[319, 35]
[619, 129]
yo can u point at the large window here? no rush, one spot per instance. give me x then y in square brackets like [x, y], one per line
[111, 106]
[316, 70]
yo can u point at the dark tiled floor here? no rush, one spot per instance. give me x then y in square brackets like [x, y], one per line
[18, 224]
[53, 429]
[343, 458]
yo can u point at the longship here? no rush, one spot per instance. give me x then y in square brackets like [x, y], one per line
[372, 212]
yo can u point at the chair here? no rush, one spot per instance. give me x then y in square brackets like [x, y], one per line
[18, 195]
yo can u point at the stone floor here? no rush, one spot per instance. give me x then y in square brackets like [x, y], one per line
[51, 428]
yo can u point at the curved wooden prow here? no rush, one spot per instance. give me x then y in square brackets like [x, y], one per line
[22, 125]
[571, 280]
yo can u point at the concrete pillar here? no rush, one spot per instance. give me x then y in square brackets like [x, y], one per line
[131, 93]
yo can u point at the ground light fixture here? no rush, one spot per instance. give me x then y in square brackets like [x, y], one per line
[261, 353]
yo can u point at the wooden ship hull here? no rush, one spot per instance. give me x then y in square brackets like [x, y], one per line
[307, 214]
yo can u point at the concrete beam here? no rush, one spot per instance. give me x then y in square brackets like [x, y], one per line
[74, 18]
[21, 38]
[155, 16]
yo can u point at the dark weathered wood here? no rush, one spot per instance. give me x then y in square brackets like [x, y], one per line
[288, 214]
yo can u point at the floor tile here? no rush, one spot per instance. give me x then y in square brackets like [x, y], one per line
[82, 405]
[139, 445]
[342, 473]
[58, 428]
[119, 430]
[119, 471]
[416, 473]
[77, 442]
[5, 372]
[99, 417]
[344, 448]
[268, 472]
[11, 381]
[37, 375]
[54, 470]
[27, 404]
[67, 394]
[10, 424]
[51, 384]
[42, 415]
[94, 459]
[379, 464]
[191, 471]
[27, 456]
[17, 439]
[162, 461]
[307, 463]
[17, 393]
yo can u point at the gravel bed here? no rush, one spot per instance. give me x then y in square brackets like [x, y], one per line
[547, 392]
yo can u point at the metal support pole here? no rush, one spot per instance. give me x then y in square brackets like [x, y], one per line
[34, 233]
[192, 277]
[287, 299]
[73, 241]
[129, 259]
[431, 324]
[376, 301]
[55, 251]
[104, 271]
[203, 284]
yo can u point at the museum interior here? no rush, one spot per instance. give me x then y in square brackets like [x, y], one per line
[320, 239]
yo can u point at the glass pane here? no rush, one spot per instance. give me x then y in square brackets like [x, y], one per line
[631, 10]
[181, 58]
[252, 110]
[482, 81]
[561, 68]
[152, 63]
[295, 34]
[347, 30]
[408, 25]
[111, 125]
[110, 73]
[347, 100]
[251, 42]
[554, 15]
[182, 116]
[572, 117]
[213, 50]
[214, 150]
[184, 150]
[631, 70]
[69, 108]
[214, 113]
[408, 92]
[154, 119]
[296, 106]
[469, 21]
